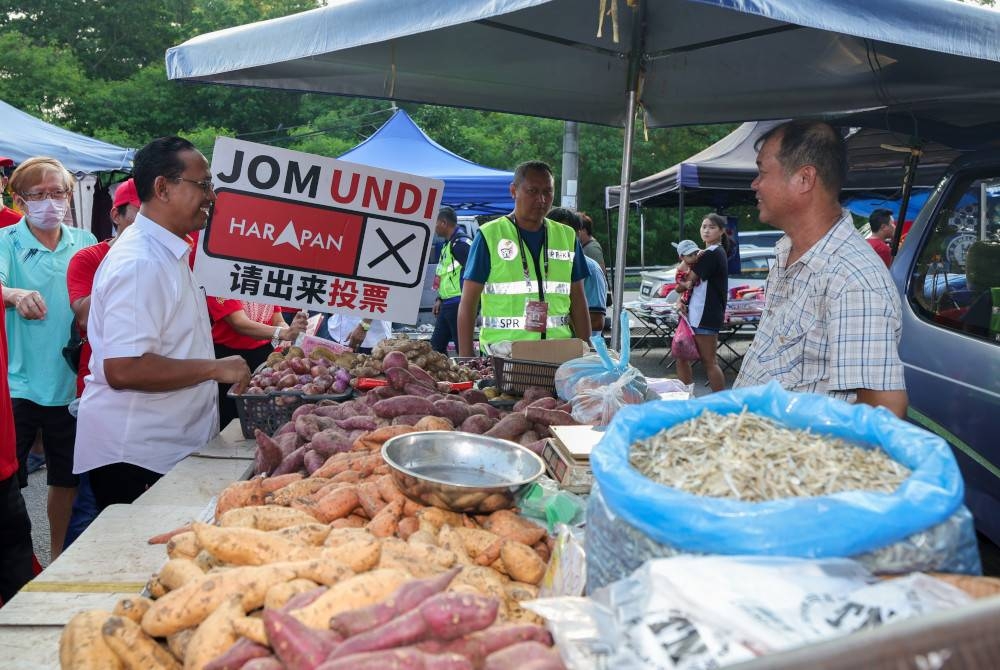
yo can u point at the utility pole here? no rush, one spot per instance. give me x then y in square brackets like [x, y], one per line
[570, 165]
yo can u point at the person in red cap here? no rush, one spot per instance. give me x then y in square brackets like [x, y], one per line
[8, 216]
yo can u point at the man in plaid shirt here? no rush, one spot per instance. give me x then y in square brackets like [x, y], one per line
[831, 323]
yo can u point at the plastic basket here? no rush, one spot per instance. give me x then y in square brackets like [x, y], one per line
[514, 376]
[264, 412]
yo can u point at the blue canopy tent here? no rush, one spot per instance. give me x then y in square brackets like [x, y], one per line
[469, 188]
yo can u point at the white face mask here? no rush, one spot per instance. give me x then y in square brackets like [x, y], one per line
[47, 214]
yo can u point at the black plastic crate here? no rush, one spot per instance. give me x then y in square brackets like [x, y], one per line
[514, 376]
[266, 413]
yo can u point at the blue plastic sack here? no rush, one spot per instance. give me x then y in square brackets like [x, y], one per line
[842, 524]
[599, 368]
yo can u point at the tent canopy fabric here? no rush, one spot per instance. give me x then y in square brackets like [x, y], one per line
[401, 145]
[720, 175]
[701, 61]
[25, 136]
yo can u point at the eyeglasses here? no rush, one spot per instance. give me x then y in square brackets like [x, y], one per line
[205, 185]
[35, 196]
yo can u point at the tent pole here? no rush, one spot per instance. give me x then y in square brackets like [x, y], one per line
[619, 289]
[909, 174]
[642, 235]
[680, 214]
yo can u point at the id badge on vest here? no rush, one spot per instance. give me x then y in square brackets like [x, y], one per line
[536, 316]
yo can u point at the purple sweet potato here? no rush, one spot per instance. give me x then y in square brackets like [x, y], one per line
[268, 452]
[307, 425]
[398, 378]
[287, 427]
[444, 616]
[478, 424]
[422, 376]
[287, 442]
[293, 462]
[308, 408]
[537, 447]
[510, 427]
[550, 417]
[404, 404]
[407, 419]
[381, 393]
[418, 389]
[313, 461]
[530, 654]
[535, 392]
[357, 423]
[298, 646]
[268, 663]
[407, 658]
[405, 598]
[477, 646]
[331, 441]
[238, 655]
[395, 360]
[490, 410]
[304, 599]
[473, 396]
[455, 411]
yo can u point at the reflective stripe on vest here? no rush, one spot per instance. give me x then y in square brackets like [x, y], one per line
[507, 293]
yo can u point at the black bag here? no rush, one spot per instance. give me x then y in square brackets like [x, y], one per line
[71, 352]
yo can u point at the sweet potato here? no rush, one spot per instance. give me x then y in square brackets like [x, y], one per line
[522, 563]
[251, 628]
[215, 634]
[279, 594]
[156, 588]
[298, 646]
[81, 645]
[402, 405]
[265, 517]
[331, 441]
[357, 423]
[438, 517]
[477, 541]
[350, 521]
[353, 593]
[434, 423]
[308, 534]
[419, 560]
[385, 523]
[184, 545]
[293, 462]
[510, 427]
[407, 420]
[487, 409]
[177, 572]
[268, 454]
[325, 570]
[405, 598]
[177, 643]
[533, 393]
[388, 490]
[360, 553]
[313, 461]
[248, 546]
[530, 654]
[135, 649]
[528, 438]
[296, 489]
[336, 504]
[407, 526]
[549, 417]
[132, 607]
[369, 498]
[394, 360]
[511, 526]
[422, 376]
[163, 538]
[268, 663]
[477, 646]
[423, 391]
[406, 658]
[285, 428]
[347, 477]
[240, 494]
[236, 657]
[300, 600]
[374, 440]
[189, 605]
[443, 616]
[473, 396]
[455, 411]
[477, 424]
[271, 484]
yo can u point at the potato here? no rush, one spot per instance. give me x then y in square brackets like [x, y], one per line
[246, 546]
[358, 591]
[265, 517]
[136, 650]
[81, 645]
[215, 634]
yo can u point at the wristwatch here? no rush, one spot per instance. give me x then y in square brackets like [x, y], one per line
[276, 338]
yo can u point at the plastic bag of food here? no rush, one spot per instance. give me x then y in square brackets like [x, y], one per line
[601, 369]
[597, 403]
[682, 344]
[843, 524]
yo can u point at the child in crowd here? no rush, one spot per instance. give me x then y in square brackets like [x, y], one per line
[687, 252]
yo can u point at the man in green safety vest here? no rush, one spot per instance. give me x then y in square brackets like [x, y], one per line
[448, 281]
[528, 272]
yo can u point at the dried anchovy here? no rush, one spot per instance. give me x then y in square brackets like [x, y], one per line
[751, 458]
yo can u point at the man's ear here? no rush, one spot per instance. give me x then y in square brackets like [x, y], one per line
[160, 188]
[805, 178]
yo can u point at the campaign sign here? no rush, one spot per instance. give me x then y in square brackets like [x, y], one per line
[298, 230]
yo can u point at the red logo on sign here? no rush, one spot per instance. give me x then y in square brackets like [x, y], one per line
[284, 233]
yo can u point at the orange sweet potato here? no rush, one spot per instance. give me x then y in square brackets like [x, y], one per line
[240, 494]
[373, 441]
[386, 522]
[336, 504]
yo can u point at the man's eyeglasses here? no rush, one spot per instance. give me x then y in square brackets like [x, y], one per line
[35, 196]
[205, 185]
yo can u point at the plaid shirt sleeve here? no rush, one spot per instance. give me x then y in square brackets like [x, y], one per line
[863, 330]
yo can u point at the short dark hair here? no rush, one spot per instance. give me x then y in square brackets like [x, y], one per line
[879, 218]
[159, 158]
[563, 215]
[447, 214]
[811, 143]
[530, 166]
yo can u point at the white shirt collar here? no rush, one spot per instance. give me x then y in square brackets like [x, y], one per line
[175, 245]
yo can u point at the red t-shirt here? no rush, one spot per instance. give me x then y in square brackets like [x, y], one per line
[8, 216]
[222, 332]
[8, 453]
[882, 249]
[80, 282]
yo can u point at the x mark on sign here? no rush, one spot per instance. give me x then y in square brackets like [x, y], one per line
[392, 250]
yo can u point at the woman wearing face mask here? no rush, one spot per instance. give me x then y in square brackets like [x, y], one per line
[34, 256]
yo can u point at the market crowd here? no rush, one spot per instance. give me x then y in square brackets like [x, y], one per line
[118, 364]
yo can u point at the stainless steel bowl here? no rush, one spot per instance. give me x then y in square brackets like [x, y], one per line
[461, 472]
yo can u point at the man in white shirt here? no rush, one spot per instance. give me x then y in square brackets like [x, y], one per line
[150, 399]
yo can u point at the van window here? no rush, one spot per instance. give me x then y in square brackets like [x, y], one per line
[956, 280]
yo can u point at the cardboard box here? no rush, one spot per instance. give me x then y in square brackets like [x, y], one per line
[548, 351]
